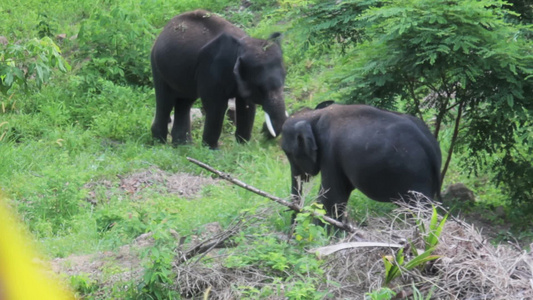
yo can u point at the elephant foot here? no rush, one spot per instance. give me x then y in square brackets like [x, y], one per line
[159, 134]
[212, 146]
[159, 140]
[241, 140]
[181, 142]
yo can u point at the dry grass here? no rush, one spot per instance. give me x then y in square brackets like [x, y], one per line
[206, 274]
[469, 268]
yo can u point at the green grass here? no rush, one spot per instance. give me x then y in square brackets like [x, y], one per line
[82, 128]
[65, 136]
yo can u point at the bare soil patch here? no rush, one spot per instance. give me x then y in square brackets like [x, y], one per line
[108, 267]
[133, 185]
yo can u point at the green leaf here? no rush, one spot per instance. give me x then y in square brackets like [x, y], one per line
[512, 67]
[439, 229]
[8, 80]
[510, 101]
[414, 251]
[421, 259]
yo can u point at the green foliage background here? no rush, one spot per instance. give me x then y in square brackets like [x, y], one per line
[76, 108]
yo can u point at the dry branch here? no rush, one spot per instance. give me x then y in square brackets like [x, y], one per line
[218, 241]
[293, 206]
[327, 250]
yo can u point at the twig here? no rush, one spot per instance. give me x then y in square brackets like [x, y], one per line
[219, 241]
[293, 206]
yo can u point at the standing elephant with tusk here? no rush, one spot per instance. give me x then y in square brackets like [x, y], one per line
[384, 154]
[201, 55]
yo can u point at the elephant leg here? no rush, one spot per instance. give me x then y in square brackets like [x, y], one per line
[245, 115]
[163, 108]
[164, 102]
[214, 119]
[334, 194]
[181, 129]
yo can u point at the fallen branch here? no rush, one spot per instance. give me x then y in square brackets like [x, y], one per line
[218, 241]
[293, 206]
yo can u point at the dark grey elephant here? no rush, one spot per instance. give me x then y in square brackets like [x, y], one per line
[200, 55]
[383, 154]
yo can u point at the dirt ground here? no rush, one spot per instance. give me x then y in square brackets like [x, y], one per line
[180, 184]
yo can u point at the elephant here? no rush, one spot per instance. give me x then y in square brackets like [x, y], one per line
[201, 55]
[383, 154]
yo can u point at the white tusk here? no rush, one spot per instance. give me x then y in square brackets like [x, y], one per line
[269, 125]
[287, 114]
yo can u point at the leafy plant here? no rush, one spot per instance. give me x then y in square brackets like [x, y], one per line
[304, 290]
[117, 45]
[83, 284]
[395, 265]
[327, 21]
[29, 65]
[45, 27]
[307, 231]
[383, 293]
[158, 277]
[288, 264]
[432, 233]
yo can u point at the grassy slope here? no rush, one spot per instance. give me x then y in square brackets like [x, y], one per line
[61, 139]
[45, 170]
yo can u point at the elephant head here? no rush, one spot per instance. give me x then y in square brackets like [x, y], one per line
[260, 78]
[299, 144]
[248, 68]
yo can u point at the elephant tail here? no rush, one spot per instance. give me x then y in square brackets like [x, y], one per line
[437, 180]
[433, 155]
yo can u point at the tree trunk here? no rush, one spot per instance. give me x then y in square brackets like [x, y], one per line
[454, 139]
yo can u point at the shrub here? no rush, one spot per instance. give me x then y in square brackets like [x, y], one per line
[28, 65]
[115, 45]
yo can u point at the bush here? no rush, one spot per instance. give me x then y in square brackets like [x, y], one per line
[115, 45]
[28, 65]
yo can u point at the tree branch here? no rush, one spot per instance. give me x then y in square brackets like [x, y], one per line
[292, 206]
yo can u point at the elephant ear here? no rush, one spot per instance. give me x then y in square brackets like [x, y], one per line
[307, 154]
[244, 90]
[216, 61]
[324, 104]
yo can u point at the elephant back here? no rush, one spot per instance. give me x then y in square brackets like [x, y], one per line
[199, 27]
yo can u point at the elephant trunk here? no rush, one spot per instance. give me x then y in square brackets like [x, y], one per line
[275, 115]
[297, 187]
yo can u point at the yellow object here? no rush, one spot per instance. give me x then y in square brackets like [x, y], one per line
[20, 277]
